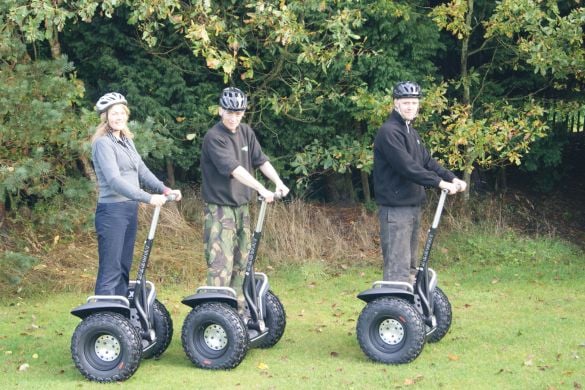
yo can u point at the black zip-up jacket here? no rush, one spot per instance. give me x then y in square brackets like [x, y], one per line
[403, 166]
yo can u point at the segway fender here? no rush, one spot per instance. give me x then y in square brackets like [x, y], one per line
[199, 298]
[379, 292]
[90, 308]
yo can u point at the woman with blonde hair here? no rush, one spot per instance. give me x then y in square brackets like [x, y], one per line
[120, 172]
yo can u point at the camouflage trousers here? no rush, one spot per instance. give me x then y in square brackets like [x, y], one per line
[226, 237]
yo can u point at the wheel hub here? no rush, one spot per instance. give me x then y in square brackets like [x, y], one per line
[107, 348]
[391, 331]
[215, 337]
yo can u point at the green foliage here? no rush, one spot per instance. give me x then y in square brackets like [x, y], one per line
[314, 70]
[496, 136]
[169, 95]
[14, 265]
[340, 156]
[495, 120]
[42, 132]
[549, 40]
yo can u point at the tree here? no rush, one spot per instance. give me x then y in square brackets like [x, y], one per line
[43, 134]
[498, 117]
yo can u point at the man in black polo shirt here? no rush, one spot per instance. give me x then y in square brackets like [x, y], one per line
[402, 168]
[229, 155]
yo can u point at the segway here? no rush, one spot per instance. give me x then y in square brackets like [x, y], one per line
[116, 332]
[214, 335]
[399, 318]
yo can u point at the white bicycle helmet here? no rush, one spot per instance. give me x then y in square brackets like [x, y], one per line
[233, 99]
[108, 100]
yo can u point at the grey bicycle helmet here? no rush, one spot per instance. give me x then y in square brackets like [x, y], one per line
[233, 99]
[108, 100]
[406, 89]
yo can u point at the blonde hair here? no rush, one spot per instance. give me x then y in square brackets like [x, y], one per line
[103, 128]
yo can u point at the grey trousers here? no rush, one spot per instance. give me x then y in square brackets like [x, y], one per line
[399, 227]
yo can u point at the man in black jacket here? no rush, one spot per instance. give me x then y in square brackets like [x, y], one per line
[402, 168]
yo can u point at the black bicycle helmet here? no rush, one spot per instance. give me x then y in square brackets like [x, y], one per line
[108, 100]
[406, 89]
[233, 99]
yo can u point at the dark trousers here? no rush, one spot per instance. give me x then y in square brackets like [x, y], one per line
[115, 225]
[399, 227]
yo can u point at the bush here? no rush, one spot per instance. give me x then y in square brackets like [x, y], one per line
[13, 265]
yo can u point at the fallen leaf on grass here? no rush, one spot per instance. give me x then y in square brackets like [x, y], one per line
[453, 358]
[412, 381]
[23, 367]
[577, 386]
[263, 366]
[494, 281]
[334, 354]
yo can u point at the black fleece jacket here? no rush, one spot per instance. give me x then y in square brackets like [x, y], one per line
[403, 166]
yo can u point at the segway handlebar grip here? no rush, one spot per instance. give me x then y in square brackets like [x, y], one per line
[171, 197]
[277, 196]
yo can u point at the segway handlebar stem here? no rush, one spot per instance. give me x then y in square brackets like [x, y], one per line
[439, 210]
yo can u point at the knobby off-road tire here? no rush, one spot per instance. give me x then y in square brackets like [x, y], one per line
[163, 328]
[275, 321]
[106, 347]
[443, 314]
[214, 336]
[391, 331]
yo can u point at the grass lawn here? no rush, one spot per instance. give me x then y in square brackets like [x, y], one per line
[514, 327]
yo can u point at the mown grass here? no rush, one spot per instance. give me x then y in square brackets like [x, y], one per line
[518, 308]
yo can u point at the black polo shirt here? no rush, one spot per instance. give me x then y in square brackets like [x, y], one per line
[222, 152]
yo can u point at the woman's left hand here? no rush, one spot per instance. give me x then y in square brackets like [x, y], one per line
[177, 193]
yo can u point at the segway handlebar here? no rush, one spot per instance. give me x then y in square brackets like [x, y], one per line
[439, 210]
[262, 212]
[277, 196]
[156, 214]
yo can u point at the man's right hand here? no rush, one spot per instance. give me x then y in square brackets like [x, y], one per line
[267, 195]
[452, 188]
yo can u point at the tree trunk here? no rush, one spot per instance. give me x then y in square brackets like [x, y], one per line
[54, 43]
[339, 188]
[170, 173]
[87, 169]
[366, 186]
[2, 212]
[466, 88]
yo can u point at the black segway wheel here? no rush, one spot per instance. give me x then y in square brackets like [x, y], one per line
[163, 328]
[443, 315]
[106, 347]
[391, 331]
[275, 321]
[214, 336]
